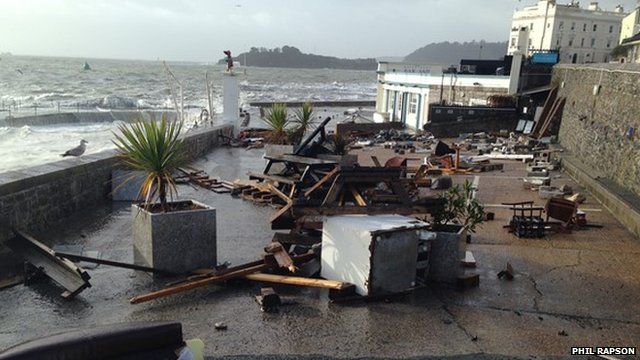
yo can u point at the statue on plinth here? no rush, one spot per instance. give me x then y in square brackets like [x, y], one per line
[229, 60]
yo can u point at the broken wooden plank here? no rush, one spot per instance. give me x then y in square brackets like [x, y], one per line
[280, 254]
[197, 283]
[64, 272]
[376, 161]
[322, 181]
[356, 196]
[298, 281]
[274, 190]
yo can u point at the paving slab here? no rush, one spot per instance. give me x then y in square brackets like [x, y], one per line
[585, 283]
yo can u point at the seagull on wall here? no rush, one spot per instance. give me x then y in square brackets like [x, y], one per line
[78, 150]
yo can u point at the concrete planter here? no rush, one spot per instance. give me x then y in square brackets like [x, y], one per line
[348, 160]
[447, 250]
[176, 241]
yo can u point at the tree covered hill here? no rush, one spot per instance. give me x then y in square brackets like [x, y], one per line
[292, 57]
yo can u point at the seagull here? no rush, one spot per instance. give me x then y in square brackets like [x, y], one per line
[78, 150]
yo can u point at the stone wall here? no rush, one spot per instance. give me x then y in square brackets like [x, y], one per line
[601, 129]
[84, 117]
[344, 129]
[37, 197]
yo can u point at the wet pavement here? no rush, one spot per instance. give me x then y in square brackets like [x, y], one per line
[578, 289]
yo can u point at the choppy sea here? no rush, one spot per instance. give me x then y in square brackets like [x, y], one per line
[30, 85]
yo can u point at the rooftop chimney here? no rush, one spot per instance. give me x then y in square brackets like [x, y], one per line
[619, 9]
[593, 6]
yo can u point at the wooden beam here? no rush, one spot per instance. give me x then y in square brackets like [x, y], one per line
[281, 211]
[334, 191]
[298, 281]
[324, 179]
[356, 196]
[274, 190]
[376, 161]
[196, 284]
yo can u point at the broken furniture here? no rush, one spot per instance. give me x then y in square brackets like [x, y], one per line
[378, 254]
[527, 221]
[562, 210]
[357, 190]
[300, 172]
[152, 340]
[71, 277]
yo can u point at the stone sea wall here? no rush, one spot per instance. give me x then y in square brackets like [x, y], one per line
[84, 117]
[601, 119]
[35, 198]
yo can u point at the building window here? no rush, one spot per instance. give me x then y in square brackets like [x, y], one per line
[582, 42]
[449, 111]
[513, 42]
[593, 42]
[413, 104]
[608, 43]
[548, 25]
[595, 27]
[530, 44]
[438, 111]
[531, 26]
[557, 42]
[584, 27]
[570, 42]
[610, 29]
[471, 112]
[561, 25]
[573, 26]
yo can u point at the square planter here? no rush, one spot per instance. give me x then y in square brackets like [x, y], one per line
[446, 253]
[176, 241]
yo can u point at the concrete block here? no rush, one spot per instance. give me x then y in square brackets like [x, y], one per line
[177, 241]
[447, 250]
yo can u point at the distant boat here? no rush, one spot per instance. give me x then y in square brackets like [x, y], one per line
[86, 66]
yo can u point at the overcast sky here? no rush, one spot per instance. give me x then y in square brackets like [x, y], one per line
[198, 30]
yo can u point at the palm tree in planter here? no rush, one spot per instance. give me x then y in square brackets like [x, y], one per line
[175, 236]
[303, 121]
[277, 120]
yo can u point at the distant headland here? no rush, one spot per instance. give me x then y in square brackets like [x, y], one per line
[292, 57]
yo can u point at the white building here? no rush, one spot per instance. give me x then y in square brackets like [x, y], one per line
[580, 35]
[405, 91]
[631, 24]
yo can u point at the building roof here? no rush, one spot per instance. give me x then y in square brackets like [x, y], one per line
[632, 40]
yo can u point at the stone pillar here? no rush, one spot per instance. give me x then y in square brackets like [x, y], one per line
[231, 99]
[516, 63]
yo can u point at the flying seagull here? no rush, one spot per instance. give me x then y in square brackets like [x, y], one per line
[78, 150]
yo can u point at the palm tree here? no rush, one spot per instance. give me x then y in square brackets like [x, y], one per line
[155, 148]
[303, 121]
[276, 119]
